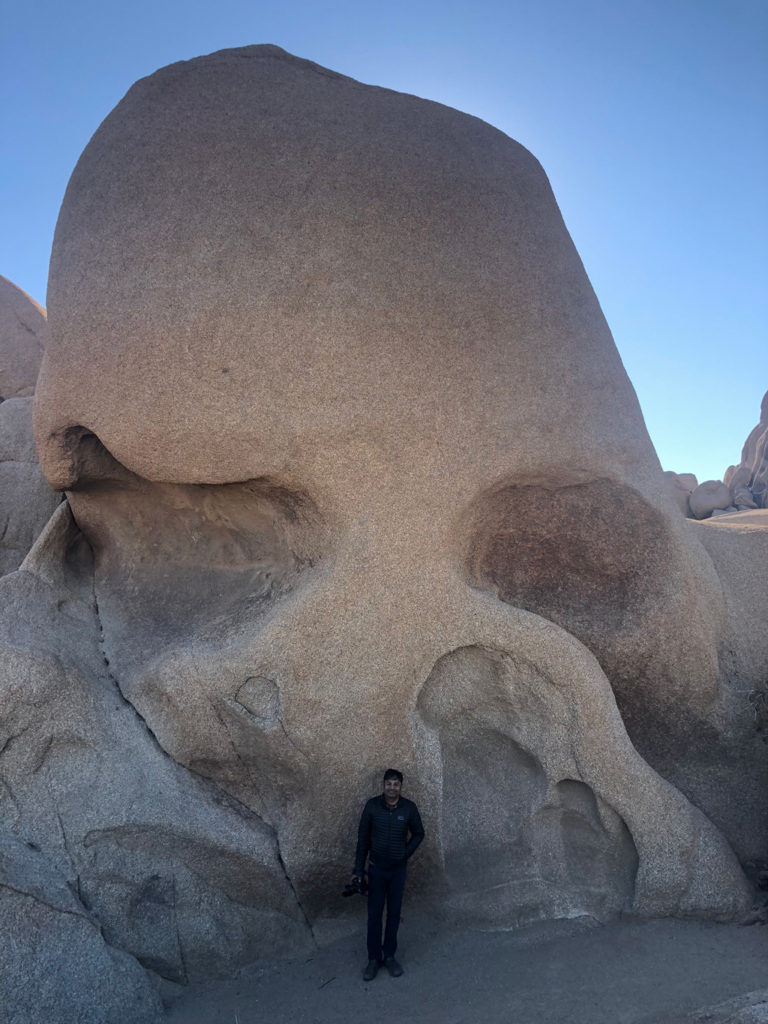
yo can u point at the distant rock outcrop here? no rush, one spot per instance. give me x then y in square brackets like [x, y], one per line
[743, 487]
[748, 481]
[26, 500]
[708, 496]
[22, 341]
[681, 486]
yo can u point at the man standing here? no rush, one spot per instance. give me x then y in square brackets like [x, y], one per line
[390, 830]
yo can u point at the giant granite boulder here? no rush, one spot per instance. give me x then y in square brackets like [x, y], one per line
[356, 478]
[749, 480]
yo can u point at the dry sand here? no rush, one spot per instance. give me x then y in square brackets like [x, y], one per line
[750, 517]
[628, 972]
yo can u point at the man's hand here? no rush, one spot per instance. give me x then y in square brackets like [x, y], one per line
[354, 878]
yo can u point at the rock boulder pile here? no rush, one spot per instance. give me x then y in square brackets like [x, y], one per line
[743, 487]
[748, 482]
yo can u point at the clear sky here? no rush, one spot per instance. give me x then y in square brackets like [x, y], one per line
[649, 116]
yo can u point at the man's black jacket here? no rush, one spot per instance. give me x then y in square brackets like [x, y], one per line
[384, 833]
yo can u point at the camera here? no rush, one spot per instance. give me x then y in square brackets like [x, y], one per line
[358, 887]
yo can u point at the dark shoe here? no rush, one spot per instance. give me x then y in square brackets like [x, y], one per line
[393, 967]
[370, 971]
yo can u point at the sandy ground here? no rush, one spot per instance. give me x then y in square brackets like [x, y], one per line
[753, 517]
[628, 972]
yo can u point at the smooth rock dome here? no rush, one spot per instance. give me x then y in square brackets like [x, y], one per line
[254, 253]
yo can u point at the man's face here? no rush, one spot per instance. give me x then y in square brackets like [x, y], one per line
[392, 790]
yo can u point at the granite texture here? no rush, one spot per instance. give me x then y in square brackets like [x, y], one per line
[26, 500]
[22, 341]
[355, 478]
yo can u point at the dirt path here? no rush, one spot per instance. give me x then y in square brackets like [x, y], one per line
[629, 972]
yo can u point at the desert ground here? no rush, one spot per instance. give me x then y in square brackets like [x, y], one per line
[627, 972]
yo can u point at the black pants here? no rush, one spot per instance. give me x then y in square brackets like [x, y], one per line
[385, 885]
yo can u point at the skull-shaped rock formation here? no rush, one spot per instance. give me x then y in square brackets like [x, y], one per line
[355, 477]
[26, 500]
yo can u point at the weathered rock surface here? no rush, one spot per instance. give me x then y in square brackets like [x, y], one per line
[749, 480]
[57, 967]
[22, 341]
[364, 483]
[713, 774]
[681, 485]
[688, 480]
[708, 496]
[172, 872]
[751, 1008]
[26, 500]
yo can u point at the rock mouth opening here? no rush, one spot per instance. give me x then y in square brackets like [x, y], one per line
[523, 838]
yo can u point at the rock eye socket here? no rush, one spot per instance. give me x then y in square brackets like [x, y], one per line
[580, 555]
[173, 561]
[596, 558]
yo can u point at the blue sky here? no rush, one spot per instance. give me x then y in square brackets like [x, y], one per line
[650, 118]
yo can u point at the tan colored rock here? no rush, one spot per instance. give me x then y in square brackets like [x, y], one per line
[364, 483]
[738, 485]
[26, 500]
[680, 487]
[746, 517]
[22, 341]
[708, 496]
[688, 480]
[152, 858]
[343, 311]
[738, 546]
[749, 480]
